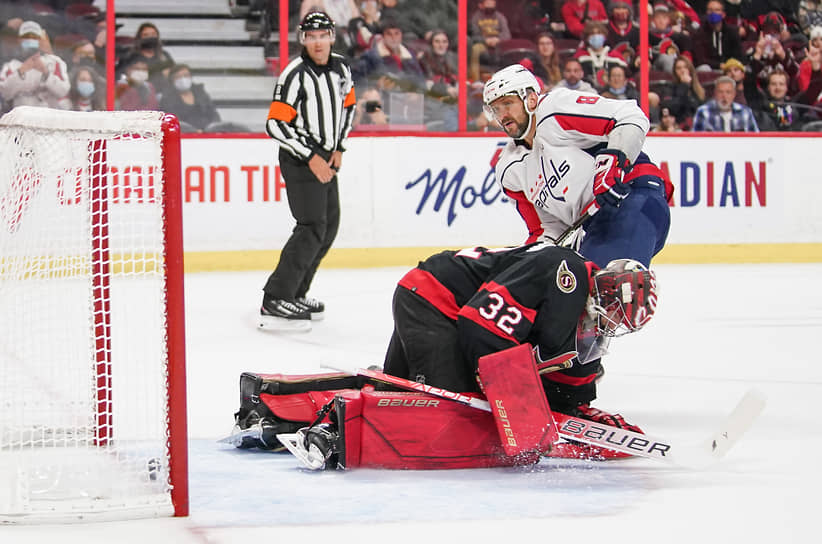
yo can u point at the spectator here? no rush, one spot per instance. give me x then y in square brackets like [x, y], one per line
[84, 52]
[188, 101]
[149, 49]
[619, 86]
[88, 89]
[687, 93]
[595, 57]
[815, 42]
[572, 77]
[362, 30]
[722, 114]
[370, 110]
[716, 41]
[390, 61]
[135, 91]
[34, 77]
[775, 110]
[769, 54]
[756, 14]
[621, 27]
[576, 13]
[545, 65]
[488, 28]
[736, 71]
[662, 35]
[667, 120]
[809, 15]
[441, 83]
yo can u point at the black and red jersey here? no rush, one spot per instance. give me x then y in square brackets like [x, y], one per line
[504, 297]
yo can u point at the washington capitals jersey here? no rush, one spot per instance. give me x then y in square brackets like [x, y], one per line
[500, 298]
[552, 182]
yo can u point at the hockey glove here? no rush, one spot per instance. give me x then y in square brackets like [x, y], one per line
[610, 166]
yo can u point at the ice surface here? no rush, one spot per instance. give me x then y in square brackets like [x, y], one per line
[719, 330]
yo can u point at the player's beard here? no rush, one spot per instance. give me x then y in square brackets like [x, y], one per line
[515, 130]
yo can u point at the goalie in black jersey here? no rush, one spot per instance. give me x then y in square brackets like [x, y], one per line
[457, 306]
[452, 309]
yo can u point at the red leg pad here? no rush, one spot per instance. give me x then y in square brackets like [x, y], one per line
[405, 430]
[514, 389]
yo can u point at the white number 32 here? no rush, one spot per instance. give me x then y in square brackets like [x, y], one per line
[508, 315]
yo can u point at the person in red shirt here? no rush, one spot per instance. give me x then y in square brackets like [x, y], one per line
[576, 13]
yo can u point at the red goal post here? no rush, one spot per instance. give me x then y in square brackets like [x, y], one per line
[92, 350]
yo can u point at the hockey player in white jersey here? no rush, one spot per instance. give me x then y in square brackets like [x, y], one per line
[579, 156]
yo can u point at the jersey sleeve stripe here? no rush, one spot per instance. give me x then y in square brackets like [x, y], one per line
[595, 126]
[528, 213]
[472, 314]
[424, 284]
[281, 112]
[492, 287]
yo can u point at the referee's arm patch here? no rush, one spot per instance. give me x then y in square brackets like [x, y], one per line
[350, 98]
[281, 112]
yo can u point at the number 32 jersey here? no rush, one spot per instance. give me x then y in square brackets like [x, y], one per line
[552, 182]
[500, 298]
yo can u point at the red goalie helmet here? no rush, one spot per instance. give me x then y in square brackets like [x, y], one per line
[623, 299]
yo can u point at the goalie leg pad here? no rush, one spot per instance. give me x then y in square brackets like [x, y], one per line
[512, 384]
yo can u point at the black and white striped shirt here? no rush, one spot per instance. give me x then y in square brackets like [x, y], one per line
[313, 106]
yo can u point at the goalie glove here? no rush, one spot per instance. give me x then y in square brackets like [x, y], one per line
[610, 166]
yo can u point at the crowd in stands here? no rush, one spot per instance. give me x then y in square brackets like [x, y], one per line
[53, 54]
[715, 65]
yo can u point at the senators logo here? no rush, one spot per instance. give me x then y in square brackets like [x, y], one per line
[566, 281]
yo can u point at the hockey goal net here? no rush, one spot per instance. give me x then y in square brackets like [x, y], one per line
[92, 372]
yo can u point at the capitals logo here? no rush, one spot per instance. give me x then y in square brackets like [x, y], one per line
[552, 174]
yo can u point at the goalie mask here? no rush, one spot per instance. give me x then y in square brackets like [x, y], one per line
[316, 20]
[622, 300]
[511, 80]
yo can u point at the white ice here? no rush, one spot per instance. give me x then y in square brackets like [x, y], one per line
[719, 330]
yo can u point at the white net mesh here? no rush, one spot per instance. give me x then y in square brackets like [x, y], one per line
[83, 358]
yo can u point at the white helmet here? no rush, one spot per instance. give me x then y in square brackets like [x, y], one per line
[513, 79]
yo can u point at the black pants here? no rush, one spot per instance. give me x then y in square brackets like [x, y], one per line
[316, 208]
[424, 346]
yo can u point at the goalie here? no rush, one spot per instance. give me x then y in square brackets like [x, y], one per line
[453, 309]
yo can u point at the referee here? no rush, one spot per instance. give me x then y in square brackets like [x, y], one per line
[311, 115]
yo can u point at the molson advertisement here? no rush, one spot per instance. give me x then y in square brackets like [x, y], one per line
[441, 192]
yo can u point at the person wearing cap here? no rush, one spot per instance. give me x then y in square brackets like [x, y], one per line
[662, 35]
[735, 70]
[621, 27]
[34, 77]
[770, 54]
[392, 59]
[311, 114]
[716, 40]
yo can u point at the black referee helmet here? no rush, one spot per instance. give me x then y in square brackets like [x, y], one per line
[316, 20]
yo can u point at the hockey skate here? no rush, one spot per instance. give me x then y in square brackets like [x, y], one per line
[317, 447]
[255, 426]
[314, 307]
[577, 450]
[283, 315]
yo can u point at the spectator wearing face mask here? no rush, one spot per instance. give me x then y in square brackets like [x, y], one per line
[149, 48]
[595, 56]
[621, 27]
[34, 77]
[189, 101]
[716, 41]
[134, 91]
[88, 89]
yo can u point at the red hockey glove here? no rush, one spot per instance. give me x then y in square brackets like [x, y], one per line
[609, 170]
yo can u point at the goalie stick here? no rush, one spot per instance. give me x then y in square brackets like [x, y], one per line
[709, 451]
